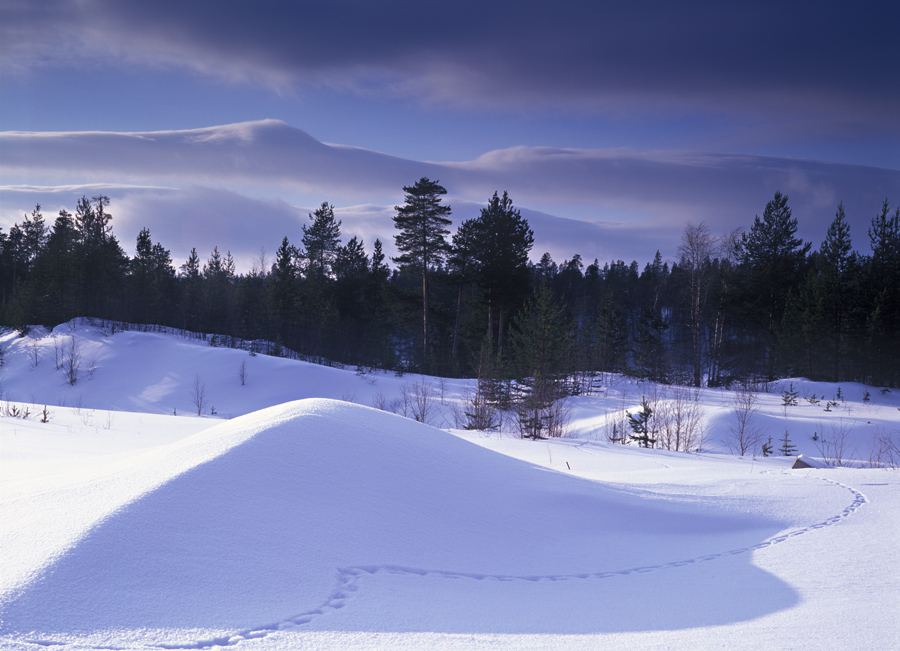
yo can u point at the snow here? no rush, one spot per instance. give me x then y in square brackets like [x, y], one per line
[300, 517]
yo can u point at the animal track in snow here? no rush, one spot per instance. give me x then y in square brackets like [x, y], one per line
[348, 581]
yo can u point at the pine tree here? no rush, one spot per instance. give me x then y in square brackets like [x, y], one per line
[502, 242]
[423, 224]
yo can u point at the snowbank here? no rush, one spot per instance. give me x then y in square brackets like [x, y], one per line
[279, 508]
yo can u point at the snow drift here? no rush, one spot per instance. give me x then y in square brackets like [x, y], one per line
[282, 507]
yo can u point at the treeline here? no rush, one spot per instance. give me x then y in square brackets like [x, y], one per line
[748, 306]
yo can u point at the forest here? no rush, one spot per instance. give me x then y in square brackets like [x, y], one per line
[743, 307]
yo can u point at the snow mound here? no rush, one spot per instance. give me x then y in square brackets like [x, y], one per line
[276, 507]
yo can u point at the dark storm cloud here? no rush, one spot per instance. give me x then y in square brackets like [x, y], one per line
[829, 63]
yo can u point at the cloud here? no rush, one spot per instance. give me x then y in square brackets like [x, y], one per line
[265, 153]
[798, 61]
[239, 187]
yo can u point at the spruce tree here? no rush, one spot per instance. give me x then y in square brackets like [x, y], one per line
[774, 258]
[803, 328]
[882, 327]
[284, 296]
[541, 340]
[838, 275]
[462, 265]
[790, 396]
[787, 448]
[102, 264]
[191, 287]
[379, 350]
[321, 241]
[640, 425]
[56, 270]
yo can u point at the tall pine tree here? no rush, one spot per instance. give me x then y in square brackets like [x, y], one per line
[422, 222]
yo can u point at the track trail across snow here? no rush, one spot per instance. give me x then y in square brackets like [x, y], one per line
[349, 580]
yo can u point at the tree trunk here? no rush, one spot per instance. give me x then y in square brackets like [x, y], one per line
[456, 324]
[424, 318]
[500, 331]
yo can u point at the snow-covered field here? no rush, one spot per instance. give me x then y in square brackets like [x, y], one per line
[300, 516]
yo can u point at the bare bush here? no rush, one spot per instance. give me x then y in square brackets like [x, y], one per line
[71, 364]
[403, 404]
[885, 450]
[744, 435]
[422, 403]
[58, 353]
[92, 367]
[379, 401]
[678, 423]
[480, 412]
[398, 405]
[198, 395]
[537, 420]
[458, 412]
[616, 426]
[242, 373]
[86, 415]
[832, 445]
[559, 415]
[34, 353]
[442, 383]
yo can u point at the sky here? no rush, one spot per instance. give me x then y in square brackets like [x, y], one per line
[611, 126]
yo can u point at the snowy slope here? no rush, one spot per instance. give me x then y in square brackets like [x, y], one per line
[320, 523]
[155, 373]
